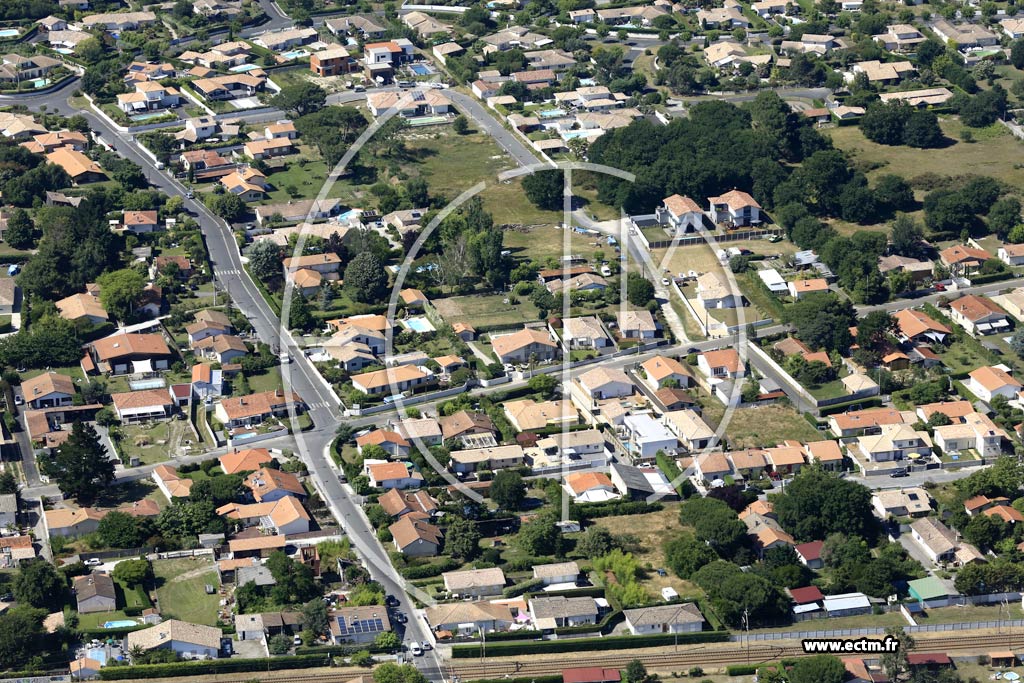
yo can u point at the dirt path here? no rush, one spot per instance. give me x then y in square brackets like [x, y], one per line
[192, 573]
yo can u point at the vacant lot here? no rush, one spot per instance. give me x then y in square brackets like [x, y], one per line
[488, 309]
[995, 152]
[154, 442]
[541, 242]
[181, 589]
[651, 531]
[767, 426]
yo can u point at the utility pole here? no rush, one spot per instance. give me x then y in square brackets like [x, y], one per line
[746, 628]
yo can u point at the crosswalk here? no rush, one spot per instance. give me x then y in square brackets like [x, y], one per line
[233, 271]
[320, 404]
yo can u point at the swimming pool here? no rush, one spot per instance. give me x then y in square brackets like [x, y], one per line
[146, 117]
[573, 134]
[295, 54]
[427, 121]
[243, 67]
[9, 33]
[40, 83]
[99, 654]
[119, 623]
[419, 324]
[551, 113]
[421, 69]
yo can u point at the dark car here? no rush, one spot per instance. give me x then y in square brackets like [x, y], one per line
[901, 472]
[391, 601]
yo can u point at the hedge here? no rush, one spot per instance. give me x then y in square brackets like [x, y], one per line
[426, 571]
[518, 589]
[610, 621]
[103, 633]
[985, 278]
[588, 644]
[338, 650]
[616, 508]
[842, 407]
[212, 666]
[669, 468]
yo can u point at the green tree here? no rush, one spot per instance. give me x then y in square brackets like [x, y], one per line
[21, 636]
[1004, 215]
[365, 278]
[545, 189]
[1017, 341]
[922, 130]
[387, 641]
[20, 230]
[714, 523]
[279, 644]
[362, 658]
[508, 490]
[543, 384]
[460, 125]
[228, 206]
[300, 315]
[817, 669]
[462, 538]
[905, 234]
[133, 572]
[895, 664]
[817, 503]
[39, 584]
[120, 290]
[540, 537]
[985, 531]
[636, 672]
[80, 467]
[823, 321]
[120, 530]
[684, 554]
[265, 260]
[314, 616]
[596, 541]
[300, 99]
[639, 290]
[389, 672]
[873, 329]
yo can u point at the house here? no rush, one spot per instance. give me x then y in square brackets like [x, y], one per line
[70, 523]
[691, 430]
[266, 149]
[846, 605]
[660, 371]
[977, 431]
[559, 611]
[978, 315]
[276, 41]
[134, 407]
[935, 538]
[223, 348]
[398, 503]
[207, 383]
[525, 346]
[255, 409]
[118, 22]
[527, 414]
[391, 475]
[17, 68]
[474, 582]
[48, 142]
[965, 35]
[583, 16]
[827, 453]
[639, 483]
[181, 637]
[556, 573]
[584, 333]
[769, 537]
[713, 291]
[1011, 254]
[927, 97]
[869, 420]
[268, 485]
[245, 182]
[590, 487]
[488, 458]
[917, 327]
[682, 618]
[963, 260]
[8, 510]
[246, 460]
[85, 668]
[987, 382]
[584, 446]
[424, 24]
[229, 87]
[95, 593]
[680, 213]
[673, 398]
[809, 554]
[393, 443]
[908, 502]
[392, 380]
[208, 322]
[465, 423]
[170, 483]
[80, 168]
[148, 96]
[721, 364]
[48, 390]
[636, 324]
[283, 516]
[886, 73]
[426, 429]
[785, 459]
[467, 619]
[734, 207]
[900, 38]
[893, 443]
[257, 546]
[645, 436]
[415, 537]
[358, 624]
[445, 50]
[128, 353]
[356, 25]
[749, 463]
[712, 465]
[723, 18]
[331, 62]
[1012, 302]
[603, 383]
[798, 289]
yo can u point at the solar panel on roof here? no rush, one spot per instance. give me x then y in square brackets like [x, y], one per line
[371, 625]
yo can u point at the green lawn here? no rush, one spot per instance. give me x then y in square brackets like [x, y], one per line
[268, 381]
[305, 173]
[547, 241]
[486, 310]
[181, 589]
[95, 620]
[152, 443]
[767, 426]
[995, 153]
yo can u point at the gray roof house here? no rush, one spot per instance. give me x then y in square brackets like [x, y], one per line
[683, 618]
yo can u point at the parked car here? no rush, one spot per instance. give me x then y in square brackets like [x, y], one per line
[93, 562]
[416, 650]
[426, 645]
[901, 472]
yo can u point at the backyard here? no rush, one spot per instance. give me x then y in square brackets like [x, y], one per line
[486, 310]
[756, 426]
[181, 593]
[153, 442]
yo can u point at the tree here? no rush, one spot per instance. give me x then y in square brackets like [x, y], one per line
[133, 572]
[684, 554]
[362, 658]
[823, 321]
[81, 467]
[120, 290]
[543, 384]
[596, 541]
[462, 538]
[314, 616]
[545, 189]
[874, 329]
[230, 207]
[120, 530]
[639, 290]
[279, 644]
[1017, 341]
[885, 123]
[389, 672]
[894, 663]
[508, 490]
[905, 234]
[714, 523]
[388, 641]
[20, 229]
[636, 672]
[21, 635]
[894, 193]
[985, 531]
[540, 537]
[1017, 53]
[1004, 215]
[737, 596]
[300, 99]
[460, 125]
[817, 669]
[300, 316]
[817, 503]
[39, 584]
[365, 278]
[265, 259]
[8, 482]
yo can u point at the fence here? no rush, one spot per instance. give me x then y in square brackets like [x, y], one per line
[858, 632]
[733, 236]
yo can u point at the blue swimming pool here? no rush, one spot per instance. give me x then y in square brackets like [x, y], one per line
[551, 113]
[421, 69]
[146, 117]
[295, 54]
[9, 33]
[241, 68]
[573, 134]
[119, 623]
[419, 324]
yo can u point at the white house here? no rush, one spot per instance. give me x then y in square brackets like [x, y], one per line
[978, 315]
[180, 637]
[988, 382]
[586, 332]
[681, 213]
[774, 281]
[713, 291]
[556, 573]
[603, 383]
[935, 538]
[977, 431]
[682, 618]
[559, 611]
[735, 207]
[1011, 254]
[645, 436]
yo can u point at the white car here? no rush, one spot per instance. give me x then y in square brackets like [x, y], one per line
[416, 650]
[93, 562]
[665, 281]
